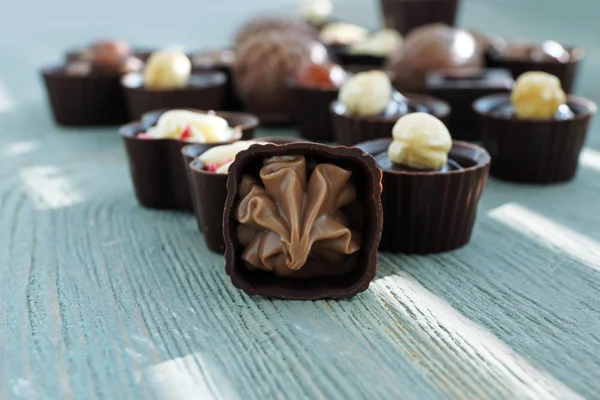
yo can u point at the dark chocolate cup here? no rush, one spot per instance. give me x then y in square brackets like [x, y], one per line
[368, 211]
[204, 91]
[231, 101]
[431, 212]
[142, 54]
[85, 100]
[350, 129]
[405, 15]
[460, 89]
[348, 59]
[209, 192]
[565, 72]
[310, 109]
[533, 151]
[159, 176]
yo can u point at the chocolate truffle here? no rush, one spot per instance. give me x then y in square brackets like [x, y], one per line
[431, 47]
[302, 221]
[273, 23]
[262, 66]
[104, 58]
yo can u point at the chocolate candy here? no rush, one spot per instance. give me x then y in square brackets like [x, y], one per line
[534, 150]
[267, 24]
[321, 76]
[167, 69]
[428, 48]
[350, 128]
[262, 66]
[428, 211]
[302, 221]
[105, 58]
[460, 88]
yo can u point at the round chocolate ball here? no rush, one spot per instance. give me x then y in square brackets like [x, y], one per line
[264, 63]
[431, 47]
[269, 23]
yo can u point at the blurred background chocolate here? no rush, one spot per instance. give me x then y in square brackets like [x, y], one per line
[432, 47]
[406, 15]
[269, 23]
[263, 64]
[548, 56]
[86, 91]
[219, 60]
[460, 88]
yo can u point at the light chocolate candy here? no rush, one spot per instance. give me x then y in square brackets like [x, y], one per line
[167, 69]
[366, 93]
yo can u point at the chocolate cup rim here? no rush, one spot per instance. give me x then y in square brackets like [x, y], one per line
[589, 106]
[382, 118]
[124, 128]
[481, 163]
[576, 54]
[251, 123]
[292, 83]
[220, 79]
[58, 71]
[368, 163]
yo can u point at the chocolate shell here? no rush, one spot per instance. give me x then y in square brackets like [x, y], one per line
[518, 59]
[406, 15]
[262, 66]
[204, 91]
[431, 211]
[349, 129]
[431, 47]
[88, 100]
[460, 88]
[338, 258]
[533, 151]
[158, 173]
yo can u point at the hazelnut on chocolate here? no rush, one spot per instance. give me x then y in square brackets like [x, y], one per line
[421, 141]
[302, 220]
[167, 69]
[366, 93]
[537, 95]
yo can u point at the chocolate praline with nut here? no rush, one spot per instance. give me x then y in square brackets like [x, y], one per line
[431, 186]
[86, 91]
[302, 221]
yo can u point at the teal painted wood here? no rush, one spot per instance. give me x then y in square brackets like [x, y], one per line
[100, 298]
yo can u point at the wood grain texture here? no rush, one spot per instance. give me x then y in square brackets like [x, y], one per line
[100, 298]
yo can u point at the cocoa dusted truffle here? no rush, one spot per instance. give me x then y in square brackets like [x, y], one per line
[431, 47]
[273, 23]
[302, 221]
[262, 66]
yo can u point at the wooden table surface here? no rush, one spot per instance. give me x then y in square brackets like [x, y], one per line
[100, 298]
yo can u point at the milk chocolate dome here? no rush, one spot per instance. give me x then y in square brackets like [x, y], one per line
[262, 66]
[431, 47]
[269, 23]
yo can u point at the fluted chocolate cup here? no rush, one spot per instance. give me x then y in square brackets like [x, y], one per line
[529, 150]
[89, 100]
[350, 129]
[209, 191]
[319, 276]
[405, 15]
[204, 91]
[310, 110]
[159, 176]
[566, 72]
[430, 211]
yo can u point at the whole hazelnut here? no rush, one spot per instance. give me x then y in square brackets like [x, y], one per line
[537, 95]
[366, 93]
[167, 69]
[420, 141]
